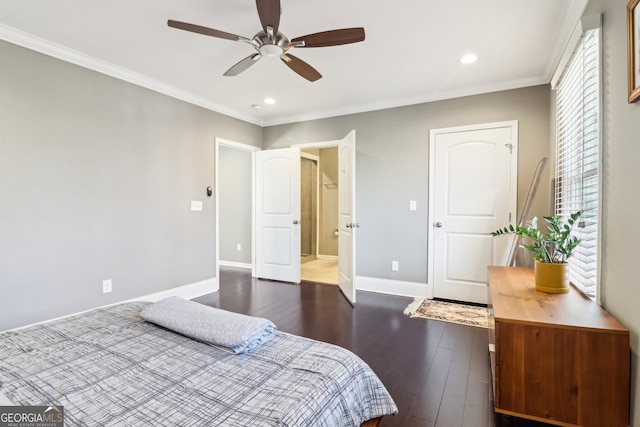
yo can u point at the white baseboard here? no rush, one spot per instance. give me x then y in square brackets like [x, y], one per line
[391, 287]
[193, 290]
[328, 257]
[190, 291]
[234, 264]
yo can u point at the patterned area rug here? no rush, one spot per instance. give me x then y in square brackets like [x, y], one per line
[448, 312]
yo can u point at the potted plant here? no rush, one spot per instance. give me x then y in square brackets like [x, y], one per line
[551, 251]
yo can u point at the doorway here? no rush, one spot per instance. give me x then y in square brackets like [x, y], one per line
[234, 196]
[319, 215]
[277, 213]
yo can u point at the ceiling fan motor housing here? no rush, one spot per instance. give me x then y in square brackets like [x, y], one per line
[268, 47]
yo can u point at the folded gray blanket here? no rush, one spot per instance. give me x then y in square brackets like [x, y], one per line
[238, 332]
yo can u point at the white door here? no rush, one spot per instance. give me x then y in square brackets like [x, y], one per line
[278, 214]
[346, 216]
[472, 192]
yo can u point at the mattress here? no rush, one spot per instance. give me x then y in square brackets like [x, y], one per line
[108, 367]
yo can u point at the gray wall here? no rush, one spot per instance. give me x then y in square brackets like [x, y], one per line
[96, 179]
[236, 205]
[392, 168]
[97, 176]
[621, 200]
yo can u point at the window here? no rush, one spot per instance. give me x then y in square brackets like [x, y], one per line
[577, 182]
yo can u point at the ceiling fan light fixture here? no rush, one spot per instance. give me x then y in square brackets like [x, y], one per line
[271, 50]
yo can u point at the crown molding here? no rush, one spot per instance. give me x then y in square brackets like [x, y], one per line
[54, 50]
[405, 102]
[46, 47]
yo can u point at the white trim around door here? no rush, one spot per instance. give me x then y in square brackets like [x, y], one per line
[243, 147]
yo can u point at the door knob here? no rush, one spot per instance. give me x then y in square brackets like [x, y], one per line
[349, 225]
[295, 222]
[437, 224]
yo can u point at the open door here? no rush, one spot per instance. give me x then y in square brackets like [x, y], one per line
[346, 216]
[278, 214]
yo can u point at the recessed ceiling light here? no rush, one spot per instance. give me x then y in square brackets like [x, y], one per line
[269, 101]
[469, 58]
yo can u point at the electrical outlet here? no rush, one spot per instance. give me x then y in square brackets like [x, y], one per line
[107, 286]
[196, 205]
[238, 247]
[394, 265]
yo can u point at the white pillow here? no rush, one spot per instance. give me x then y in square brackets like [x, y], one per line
[239, 332]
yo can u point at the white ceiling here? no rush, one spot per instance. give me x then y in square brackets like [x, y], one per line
[410, 55]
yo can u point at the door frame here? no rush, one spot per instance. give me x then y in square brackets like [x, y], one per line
[221, 142]
[513, 192]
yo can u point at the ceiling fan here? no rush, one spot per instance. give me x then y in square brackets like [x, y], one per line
[270, 42]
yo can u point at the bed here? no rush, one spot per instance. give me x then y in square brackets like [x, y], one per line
[109, 367]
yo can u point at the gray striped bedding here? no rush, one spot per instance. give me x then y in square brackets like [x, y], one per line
[108, 367]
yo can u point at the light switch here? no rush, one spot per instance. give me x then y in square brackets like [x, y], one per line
[413, 205]
[196, 205]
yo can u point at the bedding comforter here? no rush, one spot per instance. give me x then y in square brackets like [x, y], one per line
[109, 367]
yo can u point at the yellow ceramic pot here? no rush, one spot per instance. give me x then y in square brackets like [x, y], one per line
[552, 278]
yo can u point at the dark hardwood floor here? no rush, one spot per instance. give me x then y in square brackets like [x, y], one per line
[438, 373]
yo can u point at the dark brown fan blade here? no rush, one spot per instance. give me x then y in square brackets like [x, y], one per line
[203, 30]
[269, 12]
[331, 38]
[242, 65]
[301, 67]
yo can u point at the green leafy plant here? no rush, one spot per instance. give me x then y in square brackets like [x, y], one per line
[556, 246]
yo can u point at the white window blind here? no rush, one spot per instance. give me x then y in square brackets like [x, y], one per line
[577, 155]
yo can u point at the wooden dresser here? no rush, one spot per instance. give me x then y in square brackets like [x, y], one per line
[556, 358]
